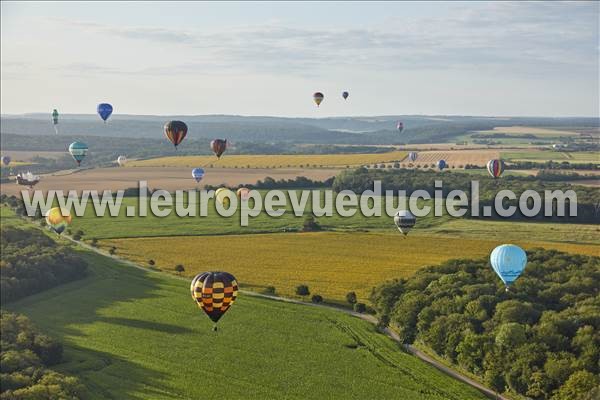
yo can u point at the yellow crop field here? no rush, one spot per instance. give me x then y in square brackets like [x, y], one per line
[331, 264]
[457, 157]
[272, 160]
[529, 130]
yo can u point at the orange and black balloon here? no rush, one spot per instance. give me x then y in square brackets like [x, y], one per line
[218, 146]
[214, 293]
[175, 131]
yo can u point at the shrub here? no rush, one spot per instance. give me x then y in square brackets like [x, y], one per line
[317, 298]
[270, 290]
[351, 297]
[151, 262]
[360, 307]
[179, 268]
[302, 290]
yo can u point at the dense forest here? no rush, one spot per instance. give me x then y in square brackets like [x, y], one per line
[32, 262]
[25, 357]
[540, 339]
[359, 180]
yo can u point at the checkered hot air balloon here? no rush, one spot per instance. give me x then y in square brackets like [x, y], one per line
[214, 293]
[495, 168]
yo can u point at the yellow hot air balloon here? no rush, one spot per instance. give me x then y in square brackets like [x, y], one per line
[318, 98]
[222, 196]
[58, 220]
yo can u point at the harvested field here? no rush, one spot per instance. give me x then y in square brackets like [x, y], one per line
[162, 178]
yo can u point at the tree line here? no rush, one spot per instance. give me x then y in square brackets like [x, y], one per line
[33, 262]
[540, 339]
[361, 179]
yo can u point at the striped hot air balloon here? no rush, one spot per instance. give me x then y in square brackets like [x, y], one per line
[495, 168]
[412, 156]
[218, 146]
[214, 293]
[400, 126]
[78, 151]
[175, 131]
[405, 221]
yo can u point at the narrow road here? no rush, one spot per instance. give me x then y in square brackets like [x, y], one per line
[367, 317]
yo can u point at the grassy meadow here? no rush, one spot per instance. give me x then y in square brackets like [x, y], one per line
[547, 155]
[134, 334]
[272, 161]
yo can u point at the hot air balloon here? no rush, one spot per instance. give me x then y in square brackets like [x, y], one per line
[175, 131]
[218, 146]
[214, 293]
[6, 160]
[222, 195]
[412, 156]
[104, 110]
[508, 261]
[404, 220]
[121, 160]
[441, 165]
[78, 151]
[58, 220]
[400, 126]
[198, 174]
[495, 168]
[55, 120]
[243, 193]
[27, 179]
[318, 98]
[345, 95]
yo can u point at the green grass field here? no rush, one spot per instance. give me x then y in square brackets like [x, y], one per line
[547, 155]
[133, 334]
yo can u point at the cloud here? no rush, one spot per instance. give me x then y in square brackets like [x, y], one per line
[496, 36]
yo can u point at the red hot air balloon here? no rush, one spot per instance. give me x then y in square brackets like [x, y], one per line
[218, 146]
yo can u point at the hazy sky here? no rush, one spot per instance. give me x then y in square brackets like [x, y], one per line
[469, 58]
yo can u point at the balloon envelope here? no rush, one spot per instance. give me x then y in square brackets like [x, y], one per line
[405, 221]
[58, 220]
[441, 165]
[495, 168]
[78, 151]
[243, 193]
[412, 156]
[175, 131]
[318, 98]
[104, 110]
[218, 146]
[121, 160]
[214, 293]
[508, 261]
[223, 196]
[198, 174]
[345, 95]
[400, 126]
[55, 116]
[6, 160]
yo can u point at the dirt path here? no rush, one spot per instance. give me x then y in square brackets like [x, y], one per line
[367, 317]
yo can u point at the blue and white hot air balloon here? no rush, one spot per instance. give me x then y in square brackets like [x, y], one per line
[508, 261]
[78, 151]
[412, 156]
[441, 165]
[198, 174]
